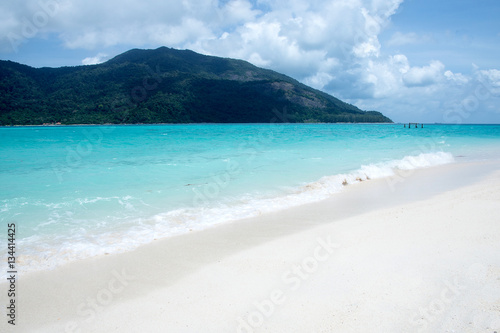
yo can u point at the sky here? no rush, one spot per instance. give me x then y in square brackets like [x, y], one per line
[413, 60]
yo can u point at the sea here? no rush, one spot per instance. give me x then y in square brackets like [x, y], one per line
[75, 192]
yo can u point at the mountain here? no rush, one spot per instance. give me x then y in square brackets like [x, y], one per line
[164, 86]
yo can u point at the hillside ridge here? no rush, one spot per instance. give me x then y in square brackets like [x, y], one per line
[164, 85]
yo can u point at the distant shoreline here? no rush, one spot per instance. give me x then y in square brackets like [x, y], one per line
[149, 124]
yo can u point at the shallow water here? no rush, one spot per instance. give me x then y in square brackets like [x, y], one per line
[80, 191]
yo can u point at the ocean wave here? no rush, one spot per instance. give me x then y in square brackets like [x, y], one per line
[250, 206]
[44, 253]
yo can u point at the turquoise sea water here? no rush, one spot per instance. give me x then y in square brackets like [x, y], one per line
[81, 191]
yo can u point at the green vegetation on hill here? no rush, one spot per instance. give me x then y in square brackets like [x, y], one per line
[164, 86]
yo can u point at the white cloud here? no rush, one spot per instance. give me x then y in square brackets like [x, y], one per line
[296, 37]
[99, 58]
[318, 80]
[424, 76]
[489, 80]
[491, 75]
[238, 11]
[386, 75]
[399, 39]
[451, 97]
[457, 78]
[331, 45]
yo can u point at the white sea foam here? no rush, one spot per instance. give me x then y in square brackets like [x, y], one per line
[40, 253]
[245, 207]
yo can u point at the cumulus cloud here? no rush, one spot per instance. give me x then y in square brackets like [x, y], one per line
[456, 78]
[318, 80]
[237, 12]
[490, 79]
[24, 20]
[331, 45]
[491, 75]
[299, 38]
[99, 58]
[424, 76]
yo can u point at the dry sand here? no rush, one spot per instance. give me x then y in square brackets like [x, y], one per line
[418, 252]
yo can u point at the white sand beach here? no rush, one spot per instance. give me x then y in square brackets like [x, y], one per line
[418, 252]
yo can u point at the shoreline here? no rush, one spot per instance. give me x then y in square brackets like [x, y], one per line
[153, 124]
[207, 216]
[308, 123]
[245, 261]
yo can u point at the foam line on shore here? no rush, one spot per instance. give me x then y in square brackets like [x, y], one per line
[398, 249]
[42, 254]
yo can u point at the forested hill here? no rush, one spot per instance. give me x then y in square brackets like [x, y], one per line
[164, 86]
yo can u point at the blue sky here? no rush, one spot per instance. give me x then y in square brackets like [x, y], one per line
[459, 32]
[413, 60]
